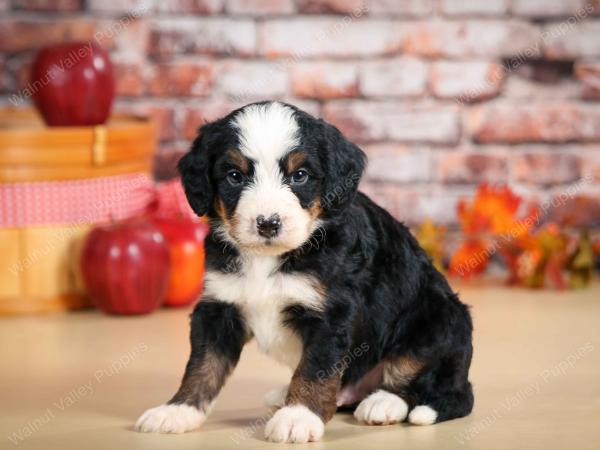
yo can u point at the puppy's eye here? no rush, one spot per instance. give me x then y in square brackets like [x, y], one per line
[235, 177]
[299, 177]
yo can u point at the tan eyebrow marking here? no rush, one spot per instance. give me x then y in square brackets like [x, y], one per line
[295, 160]
[315, 208]
[239, 160]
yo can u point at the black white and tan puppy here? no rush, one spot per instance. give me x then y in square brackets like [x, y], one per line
[326, 281]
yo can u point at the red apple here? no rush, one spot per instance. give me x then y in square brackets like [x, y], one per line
[186, 244]
[125, 266]
[73, 84]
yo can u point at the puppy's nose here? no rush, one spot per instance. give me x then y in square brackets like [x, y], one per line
[268, 227]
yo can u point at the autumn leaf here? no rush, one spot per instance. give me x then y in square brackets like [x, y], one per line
[470, 259]
[431, 238]
[493, 210]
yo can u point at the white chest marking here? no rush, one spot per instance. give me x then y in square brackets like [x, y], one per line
[262, 292]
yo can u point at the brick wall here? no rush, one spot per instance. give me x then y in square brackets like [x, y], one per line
[442, 94]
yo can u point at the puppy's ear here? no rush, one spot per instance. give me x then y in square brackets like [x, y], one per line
[344, 164]
[195, 170]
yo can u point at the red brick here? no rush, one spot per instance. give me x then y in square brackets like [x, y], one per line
[126, 38]
[590, 162]
[204, 35]
[541, 122]
[166, 159]
[203, 112]
[330, 6]
[207, 7]
[246, 81]
[163, 116]
[408, 8]
[473, 7]
[178, 79]
[402, 77]
[489, 38]
[575, 208]
[398, 163]
[20, 69]
[310, 106]
[3, 75]
[571, 40]
[461, 167]
[395, 198]
[551, 8]
[18, 35]
[130, 79]
[525, 88]
[193, 120]
[588, 74]
[260, 7]
[545, 168]
[122, 7]
[209, 110]
[413, 206]
[48, 5]
[325, 36]
[395, 121]
[324, 80]
[466, 81]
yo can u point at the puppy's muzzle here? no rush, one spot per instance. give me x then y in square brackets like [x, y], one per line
[270, 227]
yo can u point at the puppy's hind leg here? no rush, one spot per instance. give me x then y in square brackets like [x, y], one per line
[381, 408]
[386, 406]
[445, 406]
[442, 393]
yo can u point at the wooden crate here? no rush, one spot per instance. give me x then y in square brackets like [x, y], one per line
[39, 264]
[39, 272]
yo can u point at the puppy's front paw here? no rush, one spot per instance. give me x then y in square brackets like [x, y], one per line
[381, 408]
[294, 424]
[173, 418]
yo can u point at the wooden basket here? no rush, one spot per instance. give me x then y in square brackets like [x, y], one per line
[31, 151]
[38, 268]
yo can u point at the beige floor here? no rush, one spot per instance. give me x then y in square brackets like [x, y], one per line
[78, 381]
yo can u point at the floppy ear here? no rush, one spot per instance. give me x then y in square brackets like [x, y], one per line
[344, 165]
[195, 168]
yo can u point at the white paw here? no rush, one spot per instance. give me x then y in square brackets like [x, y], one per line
[276, 397]
[294, 424]
[381, 408]
[170, 419]
[422, 415]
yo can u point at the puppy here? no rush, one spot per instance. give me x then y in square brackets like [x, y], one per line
[324, 280]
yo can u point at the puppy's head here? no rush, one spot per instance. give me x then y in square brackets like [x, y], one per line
[269, 175]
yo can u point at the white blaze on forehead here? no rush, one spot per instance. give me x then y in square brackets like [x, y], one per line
[267, 132]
